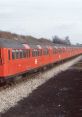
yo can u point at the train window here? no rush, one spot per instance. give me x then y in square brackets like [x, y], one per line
[32, 53]
[40, 52]
[13, 54]
[54, 50]
[17, 54]
[28, 53]
[24, 53]
[21, 53]
[46, 52]
[35, 52]
[8, 54]
[60, 50]
[63, 50]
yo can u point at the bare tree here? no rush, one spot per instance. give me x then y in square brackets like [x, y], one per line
[58, 40]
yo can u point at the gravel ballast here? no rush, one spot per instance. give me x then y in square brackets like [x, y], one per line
[11, 96]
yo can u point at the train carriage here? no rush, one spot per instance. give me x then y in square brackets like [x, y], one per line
[17, 58]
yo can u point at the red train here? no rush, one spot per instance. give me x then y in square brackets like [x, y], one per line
[18, 58]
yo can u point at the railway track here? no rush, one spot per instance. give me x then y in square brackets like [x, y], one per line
[61, 96]
[11, 94]
[12, 84]
[29, 76]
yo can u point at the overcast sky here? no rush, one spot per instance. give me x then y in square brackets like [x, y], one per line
[43, 18]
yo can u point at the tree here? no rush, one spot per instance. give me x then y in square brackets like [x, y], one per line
[67, 40]
[58, 40]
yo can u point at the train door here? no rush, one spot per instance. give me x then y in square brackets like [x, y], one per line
[1, 63]
[9, 61]
[9, 55]
[0, 57]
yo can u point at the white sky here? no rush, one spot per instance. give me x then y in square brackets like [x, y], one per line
[43, 18]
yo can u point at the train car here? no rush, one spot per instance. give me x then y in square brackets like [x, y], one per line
[17, 58]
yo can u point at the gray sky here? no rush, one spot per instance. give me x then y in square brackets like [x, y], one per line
[43, 18]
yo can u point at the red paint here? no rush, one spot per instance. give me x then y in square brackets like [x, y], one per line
[13, 67]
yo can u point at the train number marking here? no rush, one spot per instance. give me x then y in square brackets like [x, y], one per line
[59, 56]
[36, 61]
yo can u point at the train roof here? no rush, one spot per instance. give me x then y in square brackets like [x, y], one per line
[8, 43]
[18, 44]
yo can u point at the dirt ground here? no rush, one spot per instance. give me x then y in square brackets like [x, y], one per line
[61, 96]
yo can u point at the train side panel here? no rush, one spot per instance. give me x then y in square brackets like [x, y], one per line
[11, 66]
